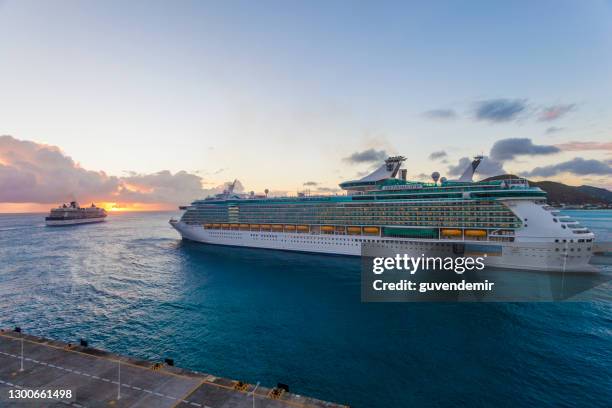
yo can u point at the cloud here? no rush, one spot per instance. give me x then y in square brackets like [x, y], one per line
[367, 156]
[508, 149]
[582, 146]
[162, 187]
[553, 129]
[37, 173]
[440, 154]
[311, 183]
[488, 167]
[327, 189]
[32, 172]
[578, 166]
[440, 114]
[500, 110]
[555, 112]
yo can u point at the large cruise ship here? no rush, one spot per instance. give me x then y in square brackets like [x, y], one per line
[71, 214]
[508, 219]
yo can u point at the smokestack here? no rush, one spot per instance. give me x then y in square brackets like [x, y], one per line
[403, 173]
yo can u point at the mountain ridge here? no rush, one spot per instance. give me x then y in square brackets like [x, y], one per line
[559, 193]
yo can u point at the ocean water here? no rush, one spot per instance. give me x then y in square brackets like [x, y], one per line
[131, 286]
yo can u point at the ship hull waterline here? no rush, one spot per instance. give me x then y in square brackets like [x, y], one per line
[514, 255]
[63, 223]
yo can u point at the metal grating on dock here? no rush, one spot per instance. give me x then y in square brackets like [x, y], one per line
[98, 378]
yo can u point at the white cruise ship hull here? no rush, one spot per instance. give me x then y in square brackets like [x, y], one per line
[57, 223]
[536, 256]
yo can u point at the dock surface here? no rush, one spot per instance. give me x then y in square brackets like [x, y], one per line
[98, 378]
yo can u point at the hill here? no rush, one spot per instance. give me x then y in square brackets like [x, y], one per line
[559, 193]
[601, 193]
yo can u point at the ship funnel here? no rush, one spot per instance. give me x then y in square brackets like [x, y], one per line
[469, 172]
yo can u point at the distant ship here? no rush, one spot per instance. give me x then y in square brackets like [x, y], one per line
[507, 219]
[71, 214]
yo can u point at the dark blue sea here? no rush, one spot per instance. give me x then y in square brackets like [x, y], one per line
[131, 286]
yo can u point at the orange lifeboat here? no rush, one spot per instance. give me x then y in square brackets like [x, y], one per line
[475, 233]
[451, 232]
[354, 230]
[290, 228]
[327, 228]
[371, 230]
[302, 228]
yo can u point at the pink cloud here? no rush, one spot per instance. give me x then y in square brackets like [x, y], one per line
[31, 172]
[555, 112]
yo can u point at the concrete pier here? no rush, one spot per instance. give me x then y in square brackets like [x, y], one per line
[98, 378]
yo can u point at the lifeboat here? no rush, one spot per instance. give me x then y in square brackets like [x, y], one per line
[265, 227]
[244, 226]
[254, 226]
[290, 228]
[225, 226]
[475, 233]
[354, 230]
[235, 226]
[451, 232]
[216, 226]
[302, 228]
[371, 230]
[207, 225]
[277, 227]
[327, 228]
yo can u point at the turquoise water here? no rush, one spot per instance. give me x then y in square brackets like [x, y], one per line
[131, 286]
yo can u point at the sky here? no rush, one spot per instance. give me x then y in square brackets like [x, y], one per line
[152, 104]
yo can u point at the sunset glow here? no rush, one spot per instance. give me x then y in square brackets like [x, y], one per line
[130, 207]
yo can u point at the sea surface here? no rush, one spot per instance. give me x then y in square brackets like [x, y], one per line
[131, 286]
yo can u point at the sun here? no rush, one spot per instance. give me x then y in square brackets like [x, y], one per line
[110, 206]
